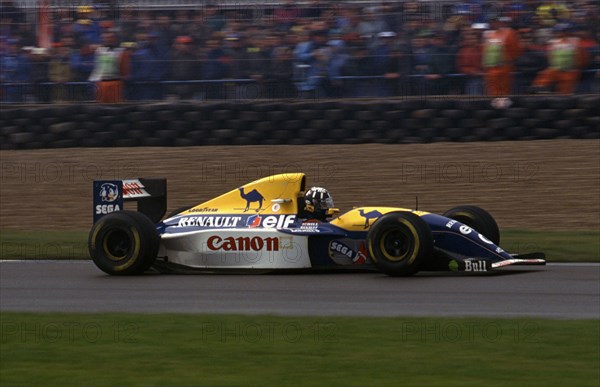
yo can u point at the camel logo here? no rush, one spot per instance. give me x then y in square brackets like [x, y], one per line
[252, 197]
[369, 215]
[109, 192]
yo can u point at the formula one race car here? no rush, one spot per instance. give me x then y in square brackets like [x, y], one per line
[265, 226]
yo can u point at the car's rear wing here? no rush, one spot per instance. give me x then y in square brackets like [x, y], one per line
[150, 195]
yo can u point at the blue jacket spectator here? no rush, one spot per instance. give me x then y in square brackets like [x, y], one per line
[15, 68]
[149, 65]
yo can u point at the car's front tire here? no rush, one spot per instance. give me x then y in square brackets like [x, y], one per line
[478, 219]
[123, 243]
[399, 243]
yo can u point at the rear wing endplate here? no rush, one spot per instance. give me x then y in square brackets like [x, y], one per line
[150, 195]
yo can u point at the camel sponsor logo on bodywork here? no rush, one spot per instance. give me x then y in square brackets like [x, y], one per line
[369, 216]
[251, 197]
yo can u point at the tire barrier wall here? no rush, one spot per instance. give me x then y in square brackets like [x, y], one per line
[299, 122]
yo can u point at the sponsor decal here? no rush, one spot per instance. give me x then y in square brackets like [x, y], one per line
[499, 250]
[242, 243]
[253, 221]
[203, 209]
[453, 265]
[251, 197]
[134, 189]
[489, 242]
[109, 192]
[310, 226]
[371, 215]
[475, 266]
[451, 223]
[103, 209]
[209, 221]
[340, 248]
[274, 221]
[276, 207]
[465, 230]
[108, 198]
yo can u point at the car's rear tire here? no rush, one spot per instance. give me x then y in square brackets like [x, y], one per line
[399, 243]
[123, 243]
[476, 218]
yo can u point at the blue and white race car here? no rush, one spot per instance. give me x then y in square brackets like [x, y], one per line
[268, 225]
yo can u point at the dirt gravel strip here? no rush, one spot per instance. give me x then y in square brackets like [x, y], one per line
[551, 184]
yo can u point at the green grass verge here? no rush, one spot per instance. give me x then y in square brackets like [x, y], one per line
[129, 349]
[559, 246]
[17, 244]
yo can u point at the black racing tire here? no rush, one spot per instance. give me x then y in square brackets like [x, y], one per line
[502, 123]
[281, 134]
[380, 125]
[238, 125]
[399, 243]
[63, 128]
[335, 114]
[424, 113]
[369, 135]
[518, 113]
[63, 143]
[306, 114]
[8, 130]
[243, 140]
[476, 218]
[440, 104]
[278, 115]
[183, 142]
[453, 114]
[365, 115]
[20, 139]
[165, 115]
[123, 243]
[455, 134]
[441, 123]
[590, 102]
[485, 114]
[394, 115]
[193, 116]
[248, 116]
[322, 125]
[545, 133]
[547, 114]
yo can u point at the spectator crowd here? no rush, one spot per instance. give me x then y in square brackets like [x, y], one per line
[297, 49]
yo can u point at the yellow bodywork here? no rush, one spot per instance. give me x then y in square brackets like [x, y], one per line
[362, 218]
[277, 195]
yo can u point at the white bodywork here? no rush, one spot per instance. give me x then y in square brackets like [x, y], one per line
[236, 248]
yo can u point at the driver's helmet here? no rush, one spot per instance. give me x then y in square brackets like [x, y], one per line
[317, 201]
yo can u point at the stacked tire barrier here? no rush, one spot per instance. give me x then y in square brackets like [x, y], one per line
[299, 122]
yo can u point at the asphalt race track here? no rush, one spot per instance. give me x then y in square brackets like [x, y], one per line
[553, 291]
